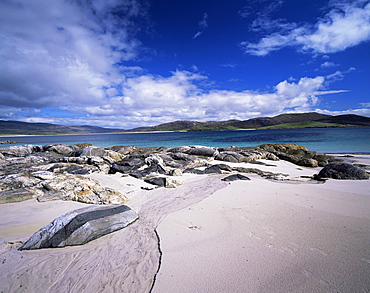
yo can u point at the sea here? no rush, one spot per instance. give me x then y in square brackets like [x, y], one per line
[323, 140]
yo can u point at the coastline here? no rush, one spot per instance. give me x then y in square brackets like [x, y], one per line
[259, 235]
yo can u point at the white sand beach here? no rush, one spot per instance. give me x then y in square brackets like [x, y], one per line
[246, 236]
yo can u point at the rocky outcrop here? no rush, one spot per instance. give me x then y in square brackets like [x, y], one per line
[238, 155]
[54, 171]
[342, 171]
[81, 226]
[298, 155]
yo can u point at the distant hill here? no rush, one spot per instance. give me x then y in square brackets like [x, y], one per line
[299, 120]
[25, 128]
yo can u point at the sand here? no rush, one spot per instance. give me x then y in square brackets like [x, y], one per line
[246, 236]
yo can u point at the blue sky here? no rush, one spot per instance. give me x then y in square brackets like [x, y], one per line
[128, 63]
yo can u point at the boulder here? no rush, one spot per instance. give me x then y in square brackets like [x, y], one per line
[214, 169]
[91, 151]
[61, 149]
[20, 150]
[81, 226]
[235, 177]
[163, 182]
[339, 170]
[196, 151]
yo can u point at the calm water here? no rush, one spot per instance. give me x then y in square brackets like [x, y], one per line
[356, 139]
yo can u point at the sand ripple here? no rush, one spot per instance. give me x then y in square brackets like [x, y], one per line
[125, 261]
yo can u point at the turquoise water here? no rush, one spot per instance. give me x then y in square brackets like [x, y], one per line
[356, 139]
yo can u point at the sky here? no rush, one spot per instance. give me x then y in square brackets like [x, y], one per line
[131, 63]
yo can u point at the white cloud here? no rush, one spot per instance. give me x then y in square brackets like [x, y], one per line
[202, 26]
[64, 52]
[346, 25]
[151, 100]
[328, 64]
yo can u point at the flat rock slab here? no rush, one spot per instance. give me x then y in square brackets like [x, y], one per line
[81, 226]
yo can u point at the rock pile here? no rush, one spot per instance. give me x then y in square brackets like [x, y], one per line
[57, 171]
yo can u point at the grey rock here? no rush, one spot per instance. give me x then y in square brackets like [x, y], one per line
[338, 170]
[196, 150]
[214, 169]
[20, 150]
[235, 177]
[61, 149]
[91, 151]
[81, 226]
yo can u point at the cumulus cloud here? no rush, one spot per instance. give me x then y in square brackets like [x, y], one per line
[151, 100]
[346, 25]
[64, 64]
[328, 64]
[64, 52]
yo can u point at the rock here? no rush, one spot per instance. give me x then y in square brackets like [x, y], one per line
[81, 226]
[129, 164]
[16, 195]
[182, 161]
[281, 147]
[230, 156]
[196, 151]
[235, 177]
[338, 170]
[175, 172]
[163, 182]
[78, 188]
[214, 169]
[91, 151]
[60, 149]
[72, 168]
[20, 150]
[7, 142]
[308, 163]
[135, 150]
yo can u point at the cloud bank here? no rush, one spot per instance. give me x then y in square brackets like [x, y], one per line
[345, 26]
[64, 63]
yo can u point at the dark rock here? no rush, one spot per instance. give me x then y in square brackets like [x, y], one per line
[214, 169]
[81, 226]
[338, 170]
[72, 168]
[129, 164]
[163, 182]
[230, 156]
[194, 171]
[235, 177]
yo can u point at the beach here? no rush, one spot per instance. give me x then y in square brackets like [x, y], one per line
[207, 235]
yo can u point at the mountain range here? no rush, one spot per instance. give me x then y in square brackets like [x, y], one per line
[299, 120]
